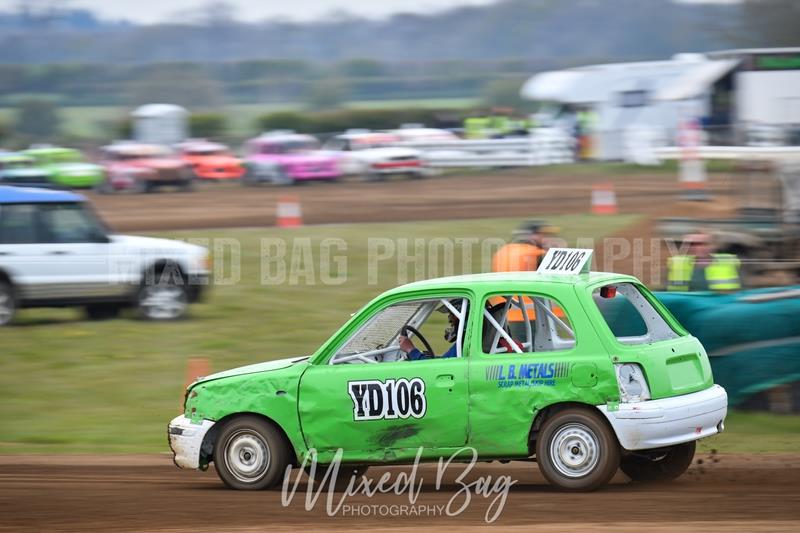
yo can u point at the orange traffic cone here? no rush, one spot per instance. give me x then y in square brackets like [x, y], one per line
[289, 214]
[604, 199]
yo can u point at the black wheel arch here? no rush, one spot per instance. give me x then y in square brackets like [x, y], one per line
[157, 268]
[210, 439]
[553, 409]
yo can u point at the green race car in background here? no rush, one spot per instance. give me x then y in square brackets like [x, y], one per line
[533, 369]
[20, 169]
[67, 166]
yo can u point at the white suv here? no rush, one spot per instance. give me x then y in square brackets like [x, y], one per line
[55, 252]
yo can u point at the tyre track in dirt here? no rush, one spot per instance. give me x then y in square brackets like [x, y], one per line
[490, 195]
[124, 493]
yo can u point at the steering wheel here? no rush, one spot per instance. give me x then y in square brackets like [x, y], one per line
[428, 350]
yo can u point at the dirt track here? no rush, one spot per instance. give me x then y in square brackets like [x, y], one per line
[747, 493]
[490, 195]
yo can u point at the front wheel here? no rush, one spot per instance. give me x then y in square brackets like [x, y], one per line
[661, 465]
[163, 299]
[250, 454]
[577, 451]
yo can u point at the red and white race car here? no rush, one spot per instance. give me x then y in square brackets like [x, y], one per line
[143, 168]
[374, 155]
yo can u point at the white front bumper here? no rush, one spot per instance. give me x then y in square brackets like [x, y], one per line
[669, 421]
[186, 440]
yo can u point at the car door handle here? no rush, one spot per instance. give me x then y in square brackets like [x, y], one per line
[6, 253]
[445, 380]
[59, 252]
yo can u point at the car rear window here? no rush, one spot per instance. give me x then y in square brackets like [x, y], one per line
[630, 316]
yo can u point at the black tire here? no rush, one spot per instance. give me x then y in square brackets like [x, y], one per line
[250, 453]
[8, 303]
[102, 311]
[163, 294]
[282, 177]
[188, 185]
[103, 187]
[577, 450]
[143, 186]
[373, 177]
[345, 473]
[661, 465]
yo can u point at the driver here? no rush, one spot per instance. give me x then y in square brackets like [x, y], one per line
[450, 333]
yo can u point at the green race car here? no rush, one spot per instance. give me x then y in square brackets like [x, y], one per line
[20, 169]
[532, 366]
[67, 167]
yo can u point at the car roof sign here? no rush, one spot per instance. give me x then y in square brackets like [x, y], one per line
[566, 261]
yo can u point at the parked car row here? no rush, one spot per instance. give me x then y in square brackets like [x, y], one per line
[278, 157]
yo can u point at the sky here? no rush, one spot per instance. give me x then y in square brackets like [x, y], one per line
[149, 11]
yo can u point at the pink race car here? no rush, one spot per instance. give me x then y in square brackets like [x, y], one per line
[286, 158]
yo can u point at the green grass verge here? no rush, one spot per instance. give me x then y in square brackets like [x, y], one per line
[73, 385]
[755, 432]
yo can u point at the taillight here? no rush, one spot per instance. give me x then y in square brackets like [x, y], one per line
[632, 383]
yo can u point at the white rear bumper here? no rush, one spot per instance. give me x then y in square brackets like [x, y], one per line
[186, 439]
[669, 421]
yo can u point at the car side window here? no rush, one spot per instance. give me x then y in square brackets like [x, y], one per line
[68, 223]
[631, 318]
[525, 323]
[18, 224]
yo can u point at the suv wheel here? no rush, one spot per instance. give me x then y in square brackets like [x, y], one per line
[250, 454]
[665, 465]
[8, 304]
[576, 450]
[163, 299]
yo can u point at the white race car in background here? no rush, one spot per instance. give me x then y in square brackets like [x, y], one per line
[374, 155]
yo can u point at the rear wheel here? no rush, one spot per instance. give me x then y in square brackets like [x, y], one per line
[188, 185]
[8, 304]
[576, 450]
[250, 454]
[661, 465]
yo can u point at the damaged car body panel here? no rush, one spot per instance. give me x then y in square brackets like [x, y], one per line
[519, 348]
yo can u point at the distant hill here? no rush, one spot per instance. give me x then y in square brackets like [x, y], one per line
[544, 33]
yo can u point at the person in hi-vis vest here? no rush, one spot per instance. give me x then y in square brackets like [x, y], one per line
[701, 269]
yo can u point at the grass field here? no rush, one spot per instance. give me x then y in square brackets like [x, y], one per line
[71, 385]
